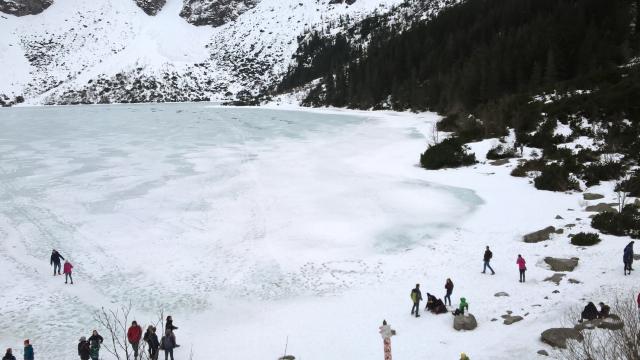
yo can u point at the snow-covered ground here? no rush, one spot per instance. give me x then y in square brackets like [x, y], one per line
[253, 225]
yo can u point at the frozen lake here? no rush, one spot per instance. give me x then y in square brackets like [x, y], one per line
[210, 213]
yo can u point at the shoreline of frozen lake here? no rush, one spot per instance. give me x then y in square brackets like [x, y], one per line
[358, 178]
[190, 208]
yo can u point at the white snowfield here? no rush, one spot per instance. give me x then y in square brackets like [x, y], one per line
[253, 225]
[75, 42]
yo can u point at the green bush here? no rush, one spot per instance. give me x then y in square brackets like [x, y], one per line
[585, 239]
[626, 223]
[451, 152]
[501, 152]
[603, 171]
[631, 185]
[555, 178]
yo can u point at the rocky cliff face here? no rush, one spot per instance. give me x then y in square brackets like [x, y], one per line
[151, 7]
[215, 12]
[24, 7]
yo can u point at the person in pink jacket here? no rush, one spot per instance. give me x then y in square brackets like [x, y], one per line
[67, 271]
[522, 265]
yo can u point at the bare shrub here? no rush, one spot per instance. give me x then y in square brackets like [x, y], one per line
[604, 344]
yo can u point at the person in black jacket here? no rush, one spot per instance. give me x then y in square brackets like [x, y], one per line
[169, 324]
[152, 341]
[84, 350]
[590, 312]
[55, 261]
[168, 343]
[9, 355]
[487, 258]
[95, 341]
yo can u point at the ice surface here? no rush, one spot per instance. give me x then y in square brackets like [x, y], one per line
[195, 209]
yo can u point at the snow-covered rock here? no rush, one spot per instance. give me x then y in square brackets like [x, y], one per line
[151, 7]
[24, 7]
[215, 12]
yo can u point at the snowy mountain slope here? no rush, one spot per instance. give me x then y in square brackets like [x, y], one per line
[82, 51]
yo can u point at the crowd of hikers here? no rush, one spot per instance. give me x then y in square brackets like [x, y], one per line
[90, 348]
[437, 306]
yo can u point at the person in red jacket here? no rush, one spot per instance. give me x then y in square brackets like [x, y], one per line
[67, 271]
[522, 266]
[134, 334]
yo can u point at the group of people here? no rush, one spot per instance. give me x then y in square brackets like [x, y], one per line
[28, 353]
[56, 261]
[90, 348]
[434, 304]
[590, 311]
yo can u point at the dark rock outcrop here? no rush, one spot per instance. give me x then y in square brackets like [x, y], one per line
[151, 7]
[215, 12]
[557, 337]
[24, 7]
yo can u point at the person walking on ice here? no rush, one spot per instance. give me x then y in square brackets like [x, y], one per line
[416, 297]
[386, 332]
[522, 266]
[487, 258]
[55, 261]
[449, 286]
[134, 334]
[627, 258]
[9, 355]
[67, 271]
[28, 350]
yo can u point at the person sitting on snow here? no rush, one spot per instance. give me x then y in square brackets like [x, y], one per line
[431, 301]
[604, 311]
[439, 307]
[590, 312]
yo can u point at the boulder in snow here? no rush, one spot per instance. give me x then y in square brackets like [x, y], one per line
[510, 319]
[592, 196]
[540, 235]
[555, 278]
[558, 264]
[465, 322]
[601, 207]
[543, 352]
[557, 337]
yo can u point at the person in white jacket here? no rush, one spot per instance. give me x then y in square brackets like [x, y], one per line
[386, 332]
